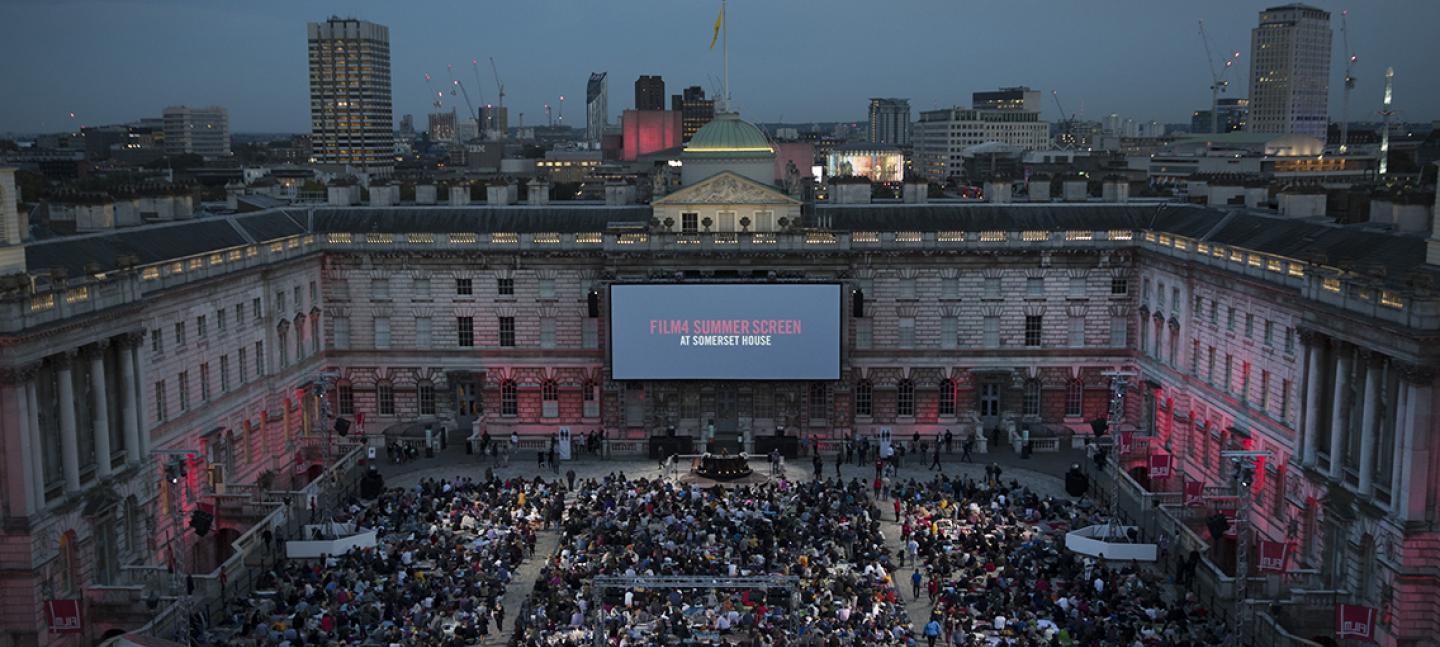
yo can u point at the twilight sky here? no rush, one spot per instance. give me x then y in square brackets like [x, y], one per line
[118, 60]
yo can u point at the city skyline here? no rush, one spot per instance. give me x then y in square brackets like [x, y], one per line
[1150, 66]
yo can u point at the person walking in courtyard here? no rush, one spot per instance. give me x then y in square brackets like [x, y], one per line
[819, 466]
[935, 459]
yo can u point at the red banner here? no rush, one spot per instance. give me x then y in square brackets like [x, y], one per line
[1272, 556]
[63, 616]
[1194, 494]
[1354, 622]
[1125, 438]
[1160, 466]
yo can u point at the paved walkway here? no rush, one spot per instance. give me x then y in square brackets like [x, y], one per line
[1043, 473]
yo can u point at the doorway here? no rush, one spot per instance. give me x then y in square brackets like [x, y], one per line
[989, 403]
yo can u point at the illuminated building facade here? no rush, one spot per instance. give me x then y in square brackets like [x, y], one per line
[890, 121]
[941, 136]
[695, 110]
[1019, 98]
[597, 108]
[351, 120]
[1290, 71]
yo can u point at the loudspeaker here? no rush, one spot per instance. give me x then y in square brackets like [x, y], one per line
[342, 426]
[592, 303]
[857, 304]
[200, 522]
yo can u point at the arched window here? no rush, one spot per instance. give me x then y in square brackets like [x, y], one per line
[68, 577]
[863, 395]
[905, 398]
[1031, 402]
[509, 399]
[1075, 399]
[549, 399]
[947, 397]
[299, 337]
[282, 333]
[314, 331]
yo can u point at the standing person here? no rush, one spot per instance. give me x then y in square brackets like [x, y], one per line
[935, 459]
[554, 464]
[949, 437]
[915, 579]
[539, 459]
[915, 444]
[839, 460]
[819, 466]
[897, 509]
[966, 445]
[570, 478]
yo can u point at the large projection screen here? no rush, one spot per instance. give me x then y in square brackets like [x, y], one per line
[731, 331]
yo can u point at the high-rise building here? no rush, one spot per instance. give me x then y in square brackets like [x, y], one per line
[650, 92]
[350, 114]
[197, 131]
[941, 136]
[407, 125]
[597, 112]
[890, 121]
[1019, 97]
[1234, 113]
[494, 122]
[1290, 71]
[443, 126]
[695, 110]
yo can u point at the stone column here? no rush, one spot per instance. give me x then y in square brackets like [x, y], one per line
[140, 386]
[1370, 425]
[1338, 410]
[96, 355]
[1414, 448]
[1314, 378]
[69, 440]
[129, 389]
[37, 451]
[20, 381]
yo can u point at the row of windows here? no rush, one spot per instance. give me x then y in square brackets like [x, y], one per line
[425, 398]
[182, 380]
[993, 288]
[464, 333]
[1033, 332]
[905, 399]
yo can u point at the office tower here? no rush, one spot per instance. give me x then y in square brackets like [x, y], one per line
[494, 122]
[597, 113]
[407, 125]
[350, 112]
[1290, 71]
[695, 110]
[1234, 113]
[890, 121]
[941, 134]
[197, 131]
[443, 126]
[650, 92]
[1019, 97]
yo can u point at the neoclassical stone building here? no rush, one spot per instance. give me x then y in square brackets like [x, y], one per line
[151, 372]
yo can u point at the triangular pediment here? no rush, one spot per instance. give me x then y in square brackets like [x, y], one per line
[727, 187]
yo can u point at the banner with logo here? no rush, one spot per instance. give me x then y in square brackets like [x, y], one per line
[1160, 466]
[63, 616]
[1354, 622]
[1272, 556]
[1194, 494]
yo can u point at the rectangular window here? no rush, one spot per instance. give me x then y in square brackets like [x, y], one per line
[424, 333]
[183, 381]
[299, 304]
[1119, 332]
[863, 335]
[341, 339]
[1119, 286]
[382, 332]
[1230, 319]
[1030, 402]
[547, 333]
[463, 288]
[1210, 366]
[1175, 299]
[243, 365]
[380, 289]
[819, 402]
[1159, 296]
[1249, 325]
[465, 331]
[507, 331]
[1229, 373]
[505, 287]
[905, 399]
[1244, 381]
[204, 381]
[1265, 391]
[385, 398]
[345, 397]
[255, 309]
[1075, 399]
[1284, 400]
[862, 399]
[509, 400]
[239, 315]
[280, 301]
[179, 334]
[949, 332]
[590, 333]
[547, 288]
[420, 289]
[157, 341]
[1174, 349]
[220, 320]
[315, 293]
[425, 398]
[689, 223]
[947, 398]
[224, 373]
[992, 287]
[1195, 357]
[1034, 327]
[259, 358]
[1269, 332]
[160, 412]
[1289, 340]
[1214, 312]
[1076, 337]
[1034, 288]
[905, 335]
[991, 331]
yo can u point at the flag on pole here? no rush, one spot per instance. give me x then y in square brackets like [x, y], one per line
[718, 20]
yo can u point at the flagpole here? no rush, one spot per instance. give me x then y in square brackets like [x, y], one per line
[725, 49]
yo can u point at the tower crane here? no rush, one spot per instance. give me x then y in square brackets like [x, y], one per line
[1350, 59]
[479, 89]
[1066, 135]
[1386, 113]
[438, 94]
[500, 87]
[1218, 83]
[455, 83]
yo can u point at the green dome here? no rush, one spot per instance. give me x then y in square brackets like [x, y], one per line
[728, 136]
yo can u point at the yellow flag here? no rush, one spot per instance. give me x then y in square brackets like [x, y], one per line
[718, 19]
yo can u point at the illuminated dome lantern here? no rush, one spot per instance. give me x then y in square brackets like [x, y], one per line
[728, 144]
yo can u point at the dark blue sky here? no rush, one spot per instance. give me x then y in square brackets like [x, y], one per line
[118, 60]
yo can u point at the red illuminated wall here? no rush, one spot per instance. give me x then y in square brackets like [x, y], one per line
[802, 153]
[649, 131]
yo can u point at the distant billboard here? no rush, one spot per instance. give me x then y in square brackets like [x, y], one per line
[880, 165]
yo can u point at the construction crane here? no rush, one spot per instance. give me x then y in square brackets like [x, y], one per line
[455, 83]
[1385, 114]
[560, 115]
[438, 94]
[479, 88]
[1066, 134]
[1218, 83]
[1350, 59]
[499, 86]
